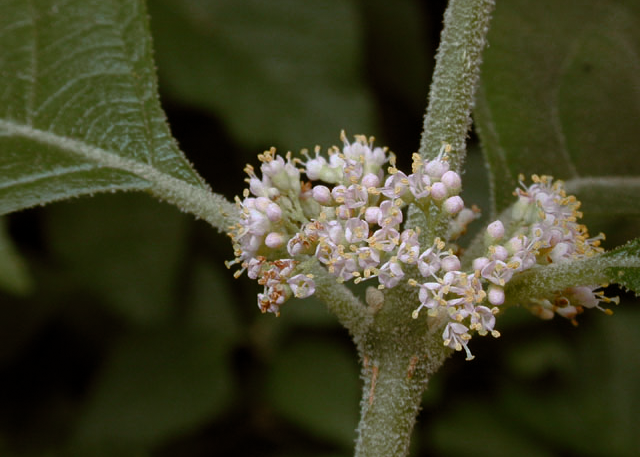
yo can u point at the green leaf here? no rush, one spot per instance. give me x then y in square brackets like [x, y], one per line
[212, 305]
[607, 195]
[283, 70]
[626, 272]
[619, 266]
[154, 387]
[590, 405]
[127, 249]
[14, 276]
[465, 428]
[79, 110]
[315, 385]
[561, 96]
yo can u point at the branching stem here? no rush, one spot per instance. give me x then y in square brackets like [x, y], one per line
[455, 77]
[398, 353]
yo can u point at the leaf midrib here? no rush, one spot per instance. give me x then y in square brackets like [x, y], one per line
[197, 200]
[77, 148]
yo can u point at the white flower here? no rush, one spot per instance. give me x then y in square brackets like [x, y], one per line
[390, 214]
[356, 230]
[396, 185]
[390, 274]
[302, 285]
[385, 239]
[409, 249]
[456, 337]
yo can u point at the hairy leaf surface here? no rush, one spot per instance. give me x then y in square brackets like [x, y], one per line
[79, 111]
[619, 266]
[280, 71]
[561, 95]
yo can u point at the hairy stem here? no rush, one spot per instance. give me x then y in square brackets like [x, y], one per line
[351, 312]
[455, 77]
[190, 198]
[399, 353]
[544, 280]
[398, 356]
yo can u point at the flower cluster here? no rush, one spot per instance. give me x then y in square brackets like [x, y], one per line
[349, 215]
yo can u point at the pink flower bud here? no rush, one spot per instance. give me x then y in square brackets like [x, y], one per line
[274, 240]
[274, 212]
[262, 203]
[370, 180]
[495, 295]
[450, 263]
[451, 179]
[372, 214]
[322, 195]
[438, 191]
[436, 168]
[500, 253]
[495, 230]
[480, 262]
[453, 205]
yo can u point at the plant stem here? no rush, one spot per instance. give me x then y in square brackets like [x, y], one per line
[351, 312]
[398, 354]
[455, 77]
[545, 280]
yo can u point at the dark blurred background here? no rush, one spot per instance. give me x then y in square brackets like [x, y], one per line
[128, 336]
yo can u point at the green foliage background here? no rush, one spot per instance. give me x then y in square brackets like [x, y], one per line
[121, 333]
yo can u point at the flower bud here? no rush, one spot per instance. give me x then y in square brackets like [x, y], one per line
[274, 240]
[495, 295]
[274, 212]
[451, 179]
[322, 195]
[370, 180]
[480, 262]
[438, 191]
[453, 205]
[436, 168]
[372, 214]
[450, 263]
[495, 230]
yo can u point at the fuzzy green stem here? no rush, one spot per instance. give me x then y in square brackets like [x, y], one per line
[392, 393]
[455, 77]
[350, 311]
[543, 281]
[398, 354]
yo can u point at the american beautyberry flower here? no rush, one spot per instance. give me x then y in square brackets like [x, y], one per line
[351, 222]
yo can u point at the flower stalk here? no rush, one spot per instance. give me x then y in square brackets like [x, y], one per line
[456, 74]
[398, 356]
[309, 226]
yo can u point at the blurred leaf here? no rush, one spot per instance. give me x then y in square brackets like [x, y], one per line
[405, 45]
[561, 96]
[79, 111]
[539, 355]
[281, 71]
[591, 409]
[213, 308]
[607, 195]
[154, 387]
[314, 384]
[627, 273]
[14, 276]
[471, 429]
[126, 248]
[619, 266]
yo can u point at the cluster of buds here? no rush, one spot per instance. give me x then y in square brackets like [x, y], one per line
[349, 215]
